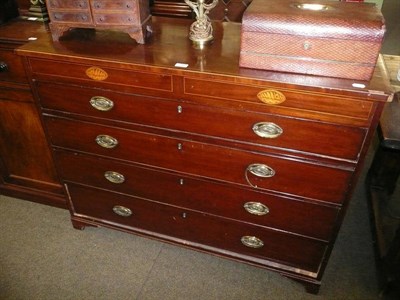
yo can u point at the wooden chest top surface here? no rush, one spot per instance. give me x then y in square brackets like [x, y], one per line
[169, 45]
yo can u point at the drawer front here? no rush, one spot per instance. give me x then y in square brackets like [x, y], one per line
[13, 68]
[299, 47]
[68, 4]
[117, 79]
[247, 127]
[70, 17]
[127, 5]
[209, 197]
[20, 95]
[283, 101]
[116, 18]
[227, 164]
[226, 235]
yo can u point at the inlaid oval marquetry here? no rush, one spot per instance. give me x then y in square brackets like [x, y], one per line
[272, 97]
[96, 73]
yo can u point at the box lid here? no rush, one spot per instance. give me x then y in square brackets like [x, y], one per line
[315, 18]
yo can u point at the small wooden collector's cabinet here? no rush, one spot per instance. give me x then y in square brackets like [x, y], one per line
[26, 164]
[251, 165]
[131, 16]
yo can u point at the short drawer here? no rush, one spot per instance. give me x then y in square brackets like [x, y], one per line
[200, 195]
[116, 18]
[104, 77]
[319, 106]
[81, 17]
[127, 5]
[267, 130]
[12, 68]
[65, 4]
[259, 171]
[196, 229]
[16, 94]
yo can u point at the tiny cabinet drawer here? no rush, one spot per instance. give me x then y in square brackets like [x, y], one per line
[93, 75]
[65, 4]
[11, 66]
[114, 19]
[71, 17]
[127, 5]
[200, 195]
[283, 101]
[259, 171]
[160, 220]
[252, 128]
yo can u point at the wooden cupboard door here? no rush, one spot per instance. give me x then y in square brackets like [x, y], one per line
[23, 148]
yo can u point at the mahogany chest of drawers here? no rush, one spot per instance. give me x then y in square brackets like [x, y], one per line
[251, 165]
[131, 16]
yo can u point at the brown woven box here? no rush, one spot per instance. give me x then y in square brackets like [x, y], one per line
[327, 38]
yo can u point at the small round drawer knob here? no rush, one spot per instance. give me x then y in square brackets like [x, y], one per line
[252, 241]
[256, 208]
[114, 177]
[267, 130]
[122, 211]
[101, 103]
[3, 67]
[307, 46]
[106, 141]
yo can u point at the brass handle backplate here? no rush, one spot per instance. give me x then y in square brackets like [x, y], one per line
[122, 211]
[256, 208]
[259, 170]
[106, 141]
[101, 103]
[252, 241]
[114, 177]
[267, 130]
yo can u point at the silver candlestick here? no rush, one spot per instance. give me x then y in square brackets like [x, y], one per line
[201, 31]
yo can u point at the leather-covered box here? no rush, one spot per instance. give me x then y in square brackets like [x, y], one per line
[326, 38]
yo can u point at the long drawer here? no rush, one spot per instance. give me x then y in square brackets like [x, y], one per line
[200, 195]
[196, 228]
[248, 127]
[261, 171]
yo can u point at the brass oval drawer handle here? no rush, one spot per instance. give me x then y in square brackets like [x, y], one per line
[122, 211]
[252, 241]
[256, 208]
[259, 170]
[106, 141]
[101, 103]
[267, 130]
[114, 177]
